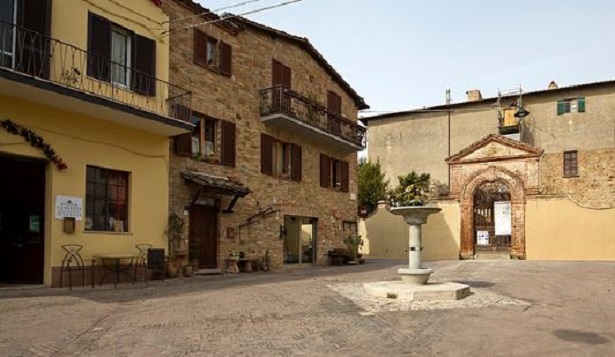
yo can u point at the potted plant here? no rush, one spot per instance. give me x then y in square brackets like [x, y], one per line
[172, 266]
[353, 242]
[175, 230]
[265, 262]
[193, 254]
[411, 191]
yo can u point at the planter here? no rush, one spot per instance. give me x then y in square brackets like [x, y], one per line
[172, 269]
[188, 271]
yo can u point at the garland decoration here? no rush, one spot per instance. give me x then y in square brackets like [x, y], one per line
[35, 141]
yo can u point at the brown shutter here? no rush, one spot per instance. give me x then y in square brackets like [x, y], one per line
[228, 155]
[286, 77]
[296, 164]
[199, 48]
[144, 62]
[33, 51]
[325, 171]
[99, 47]
[266, 154]
[183, 144]
[345, 177]
[276, 73]
[226, 58]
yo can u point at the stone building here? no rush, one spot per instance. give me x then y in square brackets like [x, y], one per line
[527, 175]
[270, 168]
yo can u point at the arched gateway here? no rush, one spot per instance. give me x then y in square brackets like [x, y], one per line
[493, 163]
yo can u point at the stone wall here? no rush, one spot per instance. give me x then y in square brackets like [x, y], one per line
[594, 187]
[236, 99]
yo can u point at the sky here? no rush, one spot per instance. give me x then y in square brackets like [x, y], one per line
[403, 54]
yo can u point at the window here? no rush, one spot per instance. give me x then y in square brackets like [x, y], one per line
[208, 135]
[119, 56]
[334, 173]
[281, 159]
[212, 53]
[574, 105]
[106, 207]
[571, 164]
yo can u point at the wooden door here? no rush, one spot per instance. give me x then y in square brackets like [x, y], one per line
[204, 232]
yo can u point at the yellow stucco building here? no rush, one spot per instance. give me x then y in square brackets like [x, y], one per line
[86, 112]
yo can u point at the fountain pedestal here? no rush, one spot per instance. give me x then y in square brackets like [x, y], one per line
[415, 217]
[413, 284]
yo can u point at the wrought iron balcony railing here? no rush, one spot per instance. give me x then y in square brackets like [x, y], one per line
[278, 100]
[34, 54]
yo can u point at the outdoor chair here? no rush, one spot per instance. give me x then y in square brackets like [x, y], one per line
[74, 262]
[141, 261]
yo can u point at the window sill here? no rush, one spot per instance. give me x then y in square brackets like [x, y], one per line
[108, 233]
[572, 176]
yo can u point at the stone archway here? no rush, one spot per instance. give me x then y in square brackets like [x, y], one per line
[516, 188]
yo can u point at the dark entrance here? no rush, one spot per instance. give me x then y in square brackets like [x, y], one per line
[22, 219]
[203, 235]
[487, 238]
[300, 240]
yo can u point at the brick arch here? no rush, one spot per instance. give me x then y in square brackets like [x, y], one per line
[516, 188]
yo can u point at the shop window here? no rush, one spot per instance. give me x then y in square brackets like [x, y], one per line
[106, 208]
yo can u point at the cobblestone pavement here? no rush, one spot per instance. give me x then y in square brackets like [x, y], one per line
[519, 308]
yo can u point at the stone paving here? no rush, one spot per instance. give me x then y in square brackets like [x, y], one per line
[519, 308]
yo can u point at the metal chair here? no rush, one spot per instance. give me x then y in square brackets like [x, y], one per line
[141, 261]
[73, 261]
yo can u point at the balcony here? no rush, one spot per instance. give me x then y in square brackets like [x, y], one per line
[289, 110]
[47, 71]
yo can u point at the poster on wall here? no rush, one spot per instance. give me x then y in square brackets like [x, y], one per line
[69, 206]
[482, 237]
[502, 218]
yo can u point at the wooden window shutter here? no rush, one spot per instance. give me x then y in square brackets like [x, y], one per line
[334, 103]
[561, 107]
[286, 77]
[276, 73]
[228, 154]
[266, 154]
[183, 144]
[99, 47]
[296, 164]
[581, 105]
[144, 62]
[345, 177]
[199, 48]
[325, 171]
[33, 52]
[226, 58]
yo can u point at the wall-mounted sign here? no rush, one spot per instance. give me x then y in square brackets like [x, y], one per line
[69, 206]
[502, 218]
[482, 237]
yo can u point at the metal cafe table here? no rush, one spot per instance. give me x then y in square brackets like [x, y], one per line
[116, 268]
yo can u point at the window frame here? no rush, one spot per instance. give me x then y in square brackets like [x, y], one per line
[212, 53]
[571, 105]
[570, 163]
[92, 199]
[127, 65]
[334, 173]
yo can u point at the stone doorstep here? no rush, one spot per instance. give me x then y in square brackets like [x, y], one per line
[429, 291]
[492, 256]
[208, 272]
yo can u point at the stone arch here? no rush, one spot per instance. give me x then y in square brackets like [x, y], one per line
[515, 186]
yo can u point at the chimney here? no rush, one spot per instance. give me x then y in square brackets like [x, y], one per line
[474, 95]
[552, 85]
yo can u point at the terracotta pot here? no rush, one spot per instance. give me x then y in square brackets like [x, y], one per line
[188, 271]
[172, 269]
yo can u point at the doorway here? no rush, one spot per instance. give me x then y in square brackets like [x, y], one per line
[300, 240]
[203, 235]
[492, 218]
[22, 220]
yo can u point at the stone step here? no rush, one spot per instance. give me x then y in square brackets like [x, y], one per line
[492, 256]
[208, 272]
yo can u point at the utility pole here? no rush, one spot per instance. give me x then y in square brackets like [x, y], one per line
[448, 111]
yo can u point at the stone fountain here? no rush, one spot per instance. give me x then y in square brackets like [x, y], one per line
[414, 279]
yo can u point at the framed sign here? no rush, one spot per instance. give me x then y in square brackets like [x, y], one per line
[503, 224]
[69, 206]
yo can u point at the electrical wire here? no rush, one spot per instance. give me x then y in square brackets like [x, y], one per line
[229, 16]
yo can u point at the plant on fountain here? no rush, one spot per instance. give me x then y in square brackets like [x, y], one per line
[411, 191]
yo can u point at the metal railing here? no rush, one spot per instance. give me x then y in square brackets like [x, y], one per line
[34, 54]
[279, 100]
